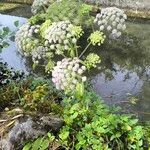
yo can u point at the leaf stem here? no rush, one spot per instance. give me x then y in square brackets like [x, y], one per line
[85, 50]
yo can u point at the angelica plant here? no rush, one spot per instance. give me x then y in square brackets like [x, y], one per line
[57, 34]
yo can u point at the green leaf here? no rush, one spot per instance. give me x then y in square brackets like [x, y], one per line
[5, 44]
[64, 135]
[27, 146]
[79, 90]
[44, 144]
[16, 23]
[5, 31]
[50, 136]
[36, 144]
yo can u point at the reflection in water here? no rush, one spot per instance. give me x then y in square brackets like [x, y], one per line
[123, 73]
[9, 54]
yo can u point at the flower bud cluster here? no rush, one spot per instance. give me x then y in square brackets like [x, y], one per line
[112, 20]
[97, 37]
[67, 73]
[38, 54]
[25, 38]
[92, 60]
[61, 36]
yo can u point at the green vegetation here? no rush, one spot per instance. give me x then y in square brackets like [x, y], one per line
[90, 125]
[8, 6]
[55, 32]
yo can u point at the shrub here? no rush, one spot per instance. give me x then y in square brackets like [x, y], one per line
[33, 94]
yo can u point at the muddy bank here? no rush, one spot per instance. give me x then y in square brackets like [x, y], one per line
[130, 4]
[15, 9]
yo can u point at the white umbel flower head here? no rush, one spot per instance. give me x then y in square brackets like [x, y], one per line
[111, 19]
[61, 35]
[68, 73]
[25, 38]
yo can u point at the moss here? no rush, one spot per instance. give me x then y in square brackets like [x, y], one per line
[8, 6]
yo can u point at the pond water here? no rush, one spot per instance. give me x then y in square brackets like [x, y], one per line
[10, 54]
[124, 74]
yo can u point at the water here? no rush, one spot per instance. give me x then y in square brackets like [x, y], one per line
[10, 54]
[125, 75]
[122, 77]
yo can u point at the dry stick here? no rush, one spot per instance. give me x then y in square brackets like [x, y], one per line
[15, 117]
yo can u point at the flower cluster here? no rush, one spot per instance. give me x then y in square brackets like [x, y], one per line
[97, 37]
[62, 36]
[38, 5]
[26, 38]
[38, 53]
[112, 20]
[92, 60]
[67, 73]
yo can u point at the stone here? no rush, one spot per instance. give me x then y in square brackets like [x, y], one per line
[28, 128]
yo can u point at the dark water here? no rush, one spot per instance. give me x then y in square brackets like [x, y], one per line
[124, 74]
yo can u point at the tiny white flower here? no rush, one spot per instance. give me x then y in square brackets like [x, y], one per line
[101, 28]
[109, 28]
[84, 79]
[80, 71]
[74, 40]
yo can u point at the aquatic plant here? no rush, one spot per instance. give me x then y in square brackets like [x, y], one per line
[7, 75]
[4, 32]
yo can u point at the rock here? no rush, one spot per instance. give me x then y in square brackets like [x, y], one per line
[51, 122]
[28, 128]
[5, 145]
